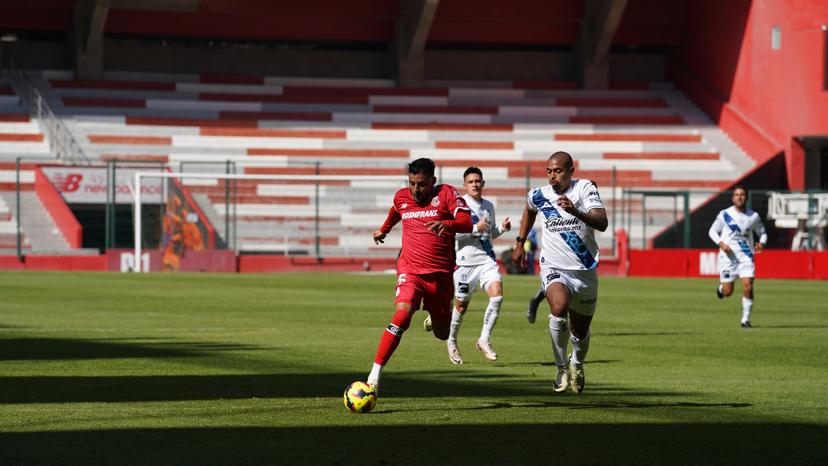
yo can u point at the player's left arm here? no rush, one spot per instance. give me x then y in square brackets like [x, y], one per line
[462, 222]
[759, 228]
[498, 230]
[595, 216]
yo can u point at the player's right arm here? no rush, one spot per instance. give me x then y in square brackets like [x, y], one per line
[392, 219]
[477, 229]
[526, 223]
[481, 227]
[715, 234]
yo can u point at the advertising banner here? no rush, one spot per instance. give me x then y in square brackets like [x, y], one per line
[88, 185]
[705, 263]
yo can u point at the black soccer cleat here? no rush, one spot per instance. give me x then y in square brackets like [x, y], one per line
[532, 312]
[719, 293]
[746, 324]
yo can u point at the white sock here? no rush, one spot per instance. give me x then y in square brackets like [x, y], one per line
[580, 347]
[490, 317]
[720, 288]
[456, 320]
[747, 306]
[559, 330]
[374, 376]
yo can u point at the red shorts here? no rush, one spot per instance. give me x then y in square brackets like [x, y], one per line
[434, 290]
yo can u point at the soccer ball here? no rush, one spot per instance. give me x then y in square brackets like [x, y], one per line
[360, 397]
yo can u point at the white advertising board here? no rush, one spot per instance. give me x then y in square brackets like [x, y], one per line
[85, 185]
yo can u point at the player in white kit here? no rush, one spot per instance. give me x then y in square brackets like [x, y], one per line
[477, 264]
[733, 232]
[571, 210]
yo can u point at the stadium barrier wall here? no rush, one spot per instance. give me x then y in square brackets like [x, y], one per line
[63, 217]
[123, 260]
[60, 263]
[704, 263]
[676, 263]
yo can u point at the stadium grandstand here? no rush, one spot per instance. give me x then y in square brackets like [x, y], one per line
[659, 103]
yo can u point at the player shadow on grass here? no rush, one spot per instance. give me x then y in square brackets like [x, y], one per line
[640, 334]
[787, 326]
[129, 388]
[187, 387]
[567, 402]
[32, 349]
[552, 364]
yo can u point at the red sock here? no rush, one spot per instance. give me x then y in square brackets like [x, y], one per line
[391, 336]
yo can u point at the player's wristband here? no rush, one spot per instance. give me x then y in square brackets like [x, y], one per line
[520, 240]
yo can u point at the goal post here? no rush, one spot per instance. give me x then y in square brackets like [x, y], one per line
[349, 206]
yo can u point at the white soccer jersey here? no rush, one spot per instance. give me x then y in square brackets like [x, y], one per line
[736, 229]
[567, 242]
[475, 248]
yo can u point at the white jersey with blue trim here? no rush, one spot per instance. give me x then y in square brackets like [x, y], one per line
[568, 243]
[475, 248]
[736, 229]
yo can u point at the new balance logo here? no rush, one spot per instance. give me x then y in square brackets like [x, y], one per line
[71, 183]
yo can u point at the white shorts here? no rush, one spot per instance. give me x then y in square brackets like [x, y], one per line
[467, 277]
[581, 284]
[732, 267]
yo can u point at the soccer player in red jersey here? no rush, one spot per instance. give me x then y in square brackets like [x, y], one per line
[431, 214]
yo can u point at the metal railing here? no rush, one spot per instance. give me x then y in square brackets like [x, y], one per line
[634, 204]
[60, 139]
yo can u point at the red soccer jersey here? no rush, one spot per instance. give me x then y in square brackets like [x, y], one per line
[422, 250]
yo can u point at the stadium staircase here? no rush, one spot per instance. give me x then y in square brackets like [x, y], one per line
[20, 137]
[652, 135]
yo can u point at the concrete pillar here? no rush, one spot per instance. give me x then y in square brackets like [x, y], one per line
[601, 21]
[413, 26]
[87, 38]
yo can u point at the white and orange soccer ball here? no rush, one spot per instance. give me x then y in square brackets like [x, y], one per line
[360, 397]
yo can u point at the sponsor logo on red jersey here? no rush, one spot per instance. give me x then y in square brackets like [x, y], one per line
[420, 214]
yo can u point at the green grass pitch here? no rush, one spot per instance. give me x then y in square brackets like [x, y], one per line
[105, 368]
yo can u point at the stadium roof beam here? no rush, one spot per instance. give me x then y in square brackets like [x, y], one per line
[90, 22]
[413, 26]
[87, 35]
[600, 24]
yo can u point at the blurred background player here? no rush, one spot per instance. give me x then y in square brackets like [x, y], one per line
[733, 232]
[571, 210]
[477, 263]
[532, 312]
[531, 246]
[431, 214]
